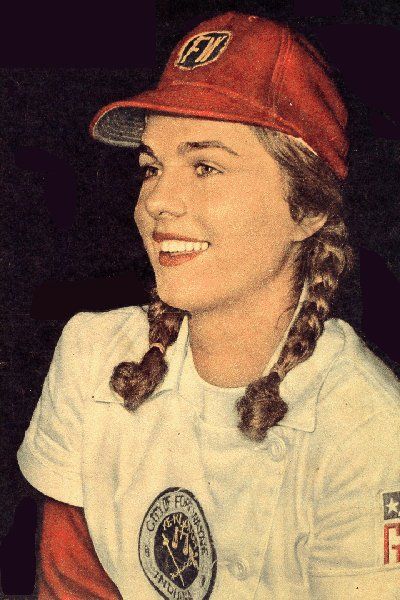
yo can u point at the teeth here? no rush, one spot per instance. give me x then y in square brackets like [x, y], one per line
[180, 246]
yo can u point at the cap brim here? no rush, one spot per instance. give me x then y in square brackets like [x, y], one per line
[118, 124]
[122, 123]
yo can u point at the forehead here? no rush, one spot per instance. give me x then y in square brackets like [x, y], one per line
[168, 132]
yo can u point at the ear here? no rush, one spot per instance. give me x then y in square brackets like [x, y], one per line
[309, 225]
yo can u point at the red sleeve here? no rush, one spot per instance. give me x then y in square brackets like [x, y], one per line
[69, 568]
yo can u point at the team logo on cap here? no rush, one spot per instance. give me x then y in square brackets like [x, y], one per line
[202, 49]
[176, 550]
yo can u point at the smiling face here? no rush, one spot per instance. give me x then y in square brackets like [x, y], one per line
[212, 182]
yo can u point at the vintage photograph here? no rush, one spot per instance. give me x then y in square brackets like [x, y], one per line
[201, 287]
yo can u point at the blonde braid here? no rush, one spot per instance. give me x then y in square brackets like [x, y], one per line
[312, 189]
[135, 382]
[327, 262]
[262, 407]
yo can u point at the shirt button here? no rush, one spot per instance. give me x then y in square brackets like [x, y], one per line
[277, 449]
[239, 568]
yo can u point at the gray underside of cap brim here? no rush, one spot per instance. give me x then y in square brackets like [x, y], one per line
[120, 126]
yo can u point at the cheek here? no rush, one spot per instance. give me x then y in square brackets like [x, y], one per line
[253, 239]
[141, 218]
[250, 220]
[138, 212]
[145, 228]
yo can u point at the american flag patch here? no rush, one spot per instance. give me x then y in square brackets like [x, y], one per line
[391, 527]
[391, 505]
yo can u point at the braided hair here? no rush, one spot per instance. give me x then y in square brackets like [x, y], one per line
[312, 189]
[136, 381]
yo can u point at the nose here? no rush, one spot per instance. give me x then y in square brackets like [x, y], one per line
[166, 197]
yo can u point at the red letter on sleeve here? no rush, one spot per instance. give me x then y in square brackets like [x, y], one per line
[386, 542]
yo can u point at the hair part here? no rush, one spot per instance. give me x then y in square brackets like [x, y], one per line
[312, 189]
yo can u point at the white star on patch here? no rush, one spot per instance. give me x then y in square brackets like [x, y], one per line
[392, 507]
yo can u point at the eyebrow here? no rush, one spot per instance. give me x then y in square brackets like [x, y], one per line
[188, 146]
[185, 147]
[144, 149]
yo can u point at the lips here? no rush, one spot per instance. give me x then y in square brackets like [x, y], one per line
[173, 260]
[158, 236]
[176, 249]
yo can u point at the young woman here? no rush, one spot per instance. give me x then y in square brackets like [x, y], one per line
[229, 440]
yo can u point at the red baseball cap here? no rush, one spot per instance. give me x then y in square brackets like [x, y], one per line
[245, 69]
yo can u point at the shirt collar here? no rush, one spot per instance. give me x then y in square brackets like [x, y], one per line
[301, 386]
[175, 356]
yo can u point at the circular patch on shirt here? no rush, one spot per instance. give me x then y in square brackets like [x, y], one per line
[176, 549]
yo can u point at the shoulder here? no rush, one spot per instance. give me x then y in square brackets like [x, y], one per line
[94, 343]
[99, 328]
[355, 370]
[359, 390]
[357, 420]
[108, 323]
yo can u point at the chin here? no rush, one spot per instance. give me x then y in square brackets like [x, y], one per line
[184, 297]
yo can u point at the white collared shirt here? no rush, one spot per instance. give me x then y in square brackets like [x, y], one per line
[180, 505]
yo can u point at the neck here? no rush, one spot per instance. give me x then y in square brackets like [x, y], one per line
[232, 343]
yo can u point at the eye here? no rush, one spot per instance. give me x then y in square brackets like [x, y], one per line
[204, 170]
[148, 171]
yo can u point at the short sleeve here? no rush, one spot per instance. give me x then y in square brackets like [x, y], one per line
[355, 551]
[50, 454]
[69, 567]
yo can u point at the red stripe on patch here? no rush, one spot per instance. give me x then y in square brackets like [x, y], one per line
[387, 546]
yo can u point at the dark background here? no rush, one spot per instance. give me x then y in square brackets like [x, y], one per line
[68, 239]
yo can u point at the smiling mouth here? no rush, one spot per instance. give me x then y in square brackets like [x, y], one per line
[175, 252]
[182, 247]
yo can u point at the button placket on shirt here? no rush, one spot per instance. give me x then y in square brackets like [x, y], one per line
[277, 448]
[245, 569]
